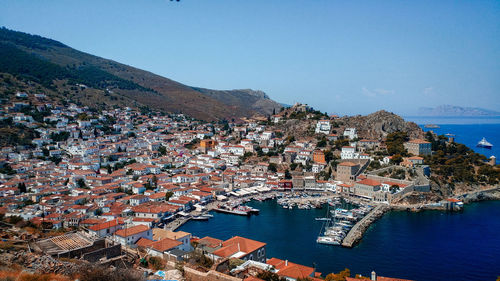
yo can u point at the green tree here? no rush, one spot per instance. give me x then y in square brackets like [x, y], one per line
[81, 183]
[22, 187]
[162, 150]
[272, 167]
[395, 143]
[168, 195]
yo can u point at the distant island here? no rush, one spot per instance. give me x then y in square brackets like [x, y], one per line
[452, 110]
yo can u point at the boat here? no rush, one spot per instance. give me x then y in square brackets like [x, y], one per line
[200, 218]
[323, 219]
[432, 126]
[484, 143]
[327, 240]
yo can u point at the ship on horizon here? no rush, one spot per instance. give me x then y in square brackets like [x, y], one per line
[484, 143]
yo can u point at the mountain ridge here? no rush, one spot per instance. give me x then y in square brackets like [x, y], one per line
[143, 88]
[453, 110]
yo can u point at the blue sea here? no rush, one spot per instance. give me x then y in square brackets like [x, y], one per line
[430, 245]
[468, 131]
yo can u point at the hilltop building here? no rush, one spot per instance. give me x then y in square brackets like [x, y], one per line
[418, 147]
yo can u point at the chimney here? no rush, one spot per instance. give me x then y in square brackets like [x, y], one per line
[493, 160]
[374, 276]
[286, 262]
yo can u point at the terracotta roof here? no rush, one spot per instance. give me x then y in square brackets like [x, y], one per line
[159, 234]
[210, 242]
[104, 225]
[165, 244]
[418, 141]
[132, 230]
[290, 269]
[369, 182]
[238, 244]
[144, 242]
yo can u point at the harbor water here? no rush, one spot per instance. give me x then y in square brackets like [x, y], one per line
[430, 245]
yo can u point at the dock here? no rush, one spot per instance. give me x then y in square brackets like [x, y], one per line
[233, 212]
[173, 225]
[312, 200]
[358, 230]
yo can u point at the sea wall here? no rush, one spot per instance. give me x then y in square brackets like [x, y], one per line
[358, 230]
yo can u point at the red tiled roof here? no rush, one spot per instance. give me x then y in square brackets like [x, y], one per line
[165, 244]
[104, 225]
[418, 141]
[132, 230]
[369, 182]
[238, 244]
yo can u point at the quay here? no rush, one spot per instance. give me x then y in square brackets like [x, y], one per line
[233, 212]
[312, 200]
[173, 225]
[357, 231]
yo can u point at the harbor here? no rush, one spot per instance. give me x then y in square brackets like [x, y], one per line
[342, 224]
[397, 234]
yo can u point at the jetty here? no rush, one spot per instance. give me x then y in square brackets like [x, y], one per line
[358, 230]
[232, 212]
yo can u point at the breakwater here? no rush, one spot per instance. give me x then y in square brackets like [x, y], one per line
[358, 230]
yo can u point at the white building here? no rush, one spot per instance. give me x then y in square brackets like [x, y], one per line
[129, 236]
[349, 152]
[350, 133]
[323, 126]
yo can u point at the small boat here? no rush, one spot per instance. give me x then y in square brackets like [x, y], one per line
[327, 240]
[200, 218]
[484, 143]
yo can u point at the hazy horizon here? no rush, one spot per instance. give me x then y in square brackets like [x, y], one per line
[337, 57]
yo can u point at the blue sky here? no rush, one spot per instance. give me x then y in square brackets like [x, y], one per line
[347, 57]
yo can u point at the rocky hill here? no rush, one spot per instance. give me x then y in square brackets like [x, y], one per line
[377, 125]
[57, 68]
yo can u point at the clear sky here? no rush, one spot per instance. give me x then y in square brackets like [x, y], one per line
[344, 57]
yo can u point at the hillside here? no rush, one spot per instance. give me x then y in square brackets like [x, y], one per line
[57, 68]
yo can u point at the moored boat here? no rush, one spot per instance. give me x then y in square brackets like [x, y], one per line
[327, 240]
[484, 143]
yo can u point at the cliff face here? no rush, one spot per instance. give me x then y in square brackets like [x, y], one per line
[377, 125]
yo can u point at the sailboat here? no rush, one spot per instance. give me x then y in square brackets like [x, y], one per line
[484, 143]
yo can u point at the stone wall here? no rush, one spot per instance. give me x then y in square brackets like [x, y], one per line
[98, 244]
[195, 275]
[110, 252]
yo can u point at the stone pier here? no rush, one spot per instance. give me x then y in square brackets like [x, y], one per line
[357, 231]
